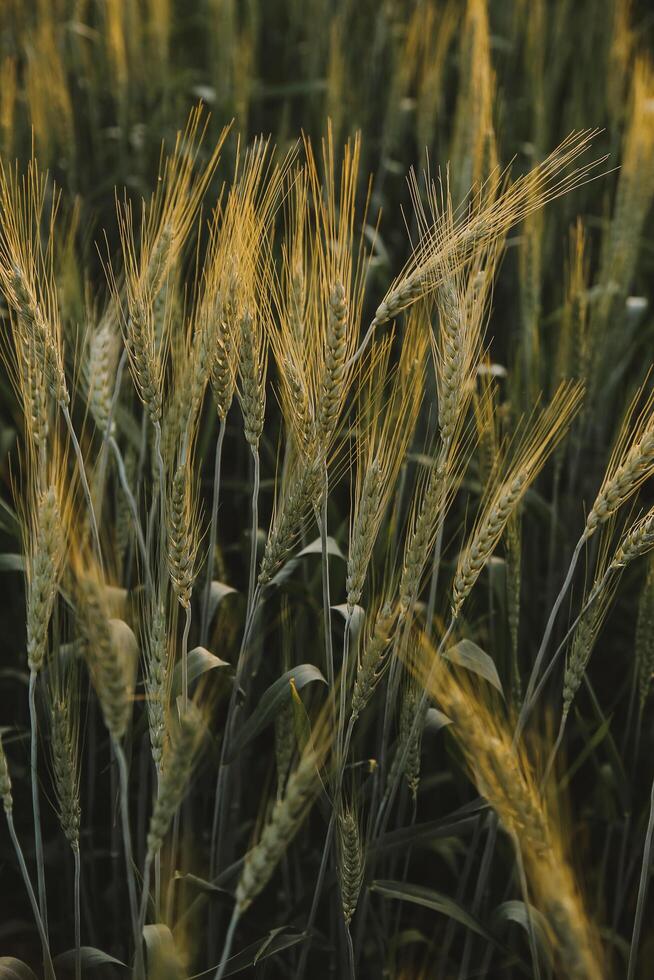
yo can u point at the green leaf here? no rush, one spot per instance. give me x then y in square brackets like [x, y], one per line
[124, 645]
[467, 654]
[423, 832]
[9, 521]
[516, 911]
[314, 548]
[496, 569]
[199, 661]
[356, 619]
[217, 593]
[201, 883]
[277, 940]
[90, 957]
[12, 563]
[429, 899]
[13, 969]
[301, 721]
[435, 720]
[270, 703]
[164, 961]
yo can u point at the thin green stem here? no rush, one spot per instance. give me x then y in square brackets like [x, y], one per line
[530, 922]
[127, 848]
[107, 434]
[326, 601]
[85, 483]
[213, 533]
[391, 789]
[185, 635]
[317, 892]
[252, 578]
[131, 503]
[217, 826]
[36, 808]
[77, 914]
[162, 493]
[350, 953]
[47, 959]
[145, 893]
[540, 656]
[229, 939]
[645, 869]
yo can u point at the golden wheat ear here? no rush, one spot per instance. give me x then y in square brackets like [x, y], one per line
[538, 441]
[503, 773]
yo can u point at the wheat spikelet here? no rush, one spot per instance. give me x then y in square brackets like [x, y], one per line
[505, 777]
[182, 531]
[5, 781]
[350, 861]
[46, 553]
[223, 367]
[411, 704]
[27, 275]
[285, 821]
[180, 758]
[252, 370]
[373, 660]
[440, 246]
[389, 404]
[112, 673]
[631, 463]
[100, 368]
[422, 530]
[333, 381]
[158, 662]
[637, 541]
[35, 401]
[63, 703]
[537, 443]
[644, 641]
[145, 364]
[299, 492]
[583, 642]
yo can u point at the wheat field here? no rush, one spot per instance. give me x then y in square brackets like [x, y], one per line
[326, 512]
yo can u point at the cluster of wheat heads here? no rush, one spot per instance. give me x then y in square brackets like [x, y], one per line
[233, 336]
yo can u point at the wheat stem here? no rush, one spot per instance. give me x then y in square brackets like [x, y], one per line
[104, 448]
[218, 821]
[85, 483]
[185, 635]
[77, 914]
[255, 528]
[162, 493]
[540, 656]
[213, 532]
[391, 790]
[36, 809]
[145, 892]
[229, 939]
[528, 703]
[324, 564]
[533, 949]
[127, 848]
[47, 959]
[131, 503]
[645, 871]
[317, 892]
